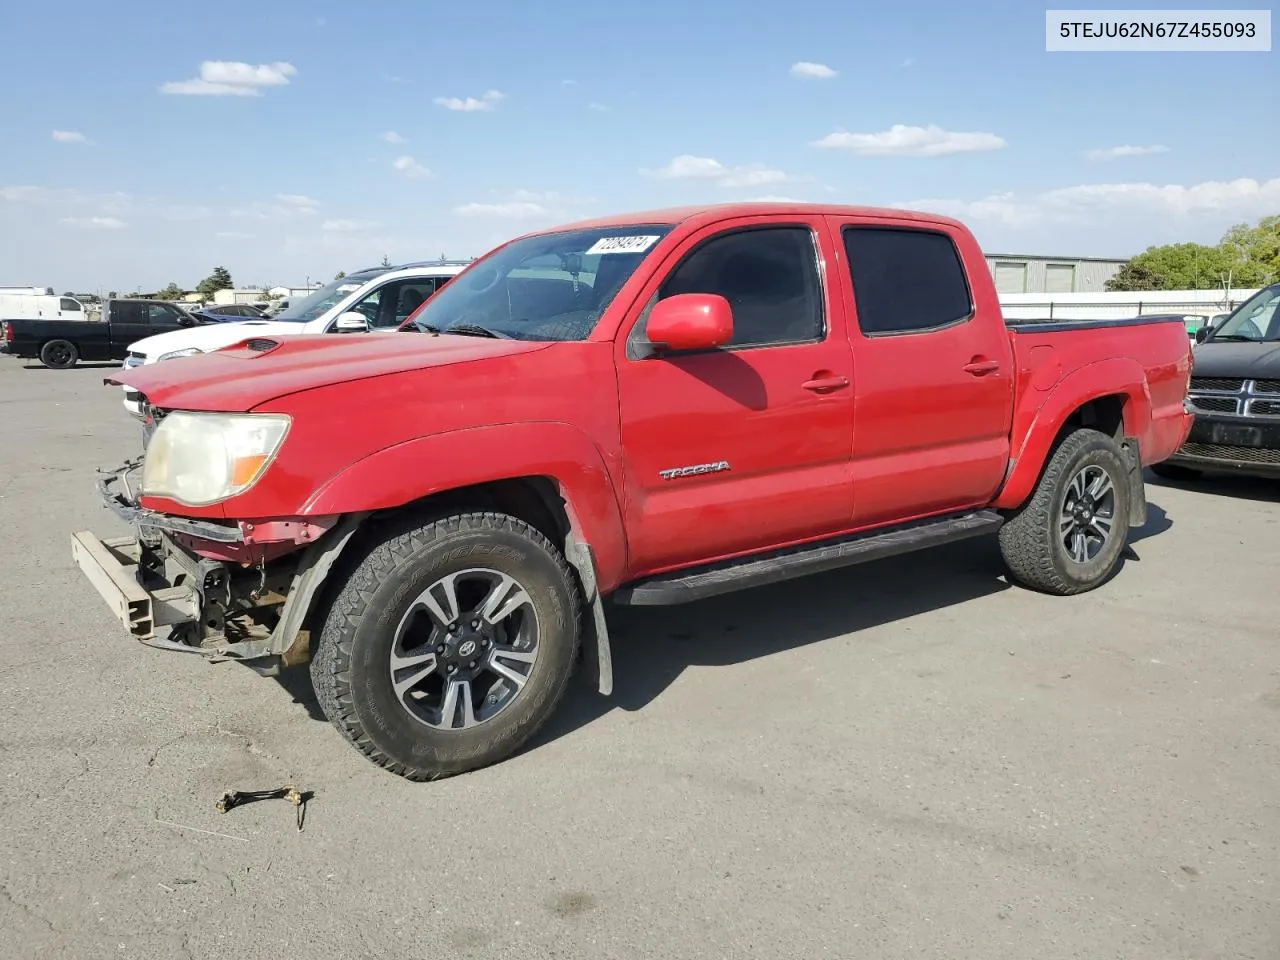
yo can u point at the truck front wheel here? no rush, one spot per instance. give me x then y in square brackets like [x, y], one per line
[1068, 537]
[59, 354]
[449, 644]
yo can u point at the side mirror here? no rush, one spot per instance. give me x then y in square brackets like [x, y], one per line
[351, 322]
[691, 321]
[1203, 333]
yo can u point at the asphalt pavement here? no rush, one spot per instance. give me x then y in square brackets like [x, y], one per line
[906, 759]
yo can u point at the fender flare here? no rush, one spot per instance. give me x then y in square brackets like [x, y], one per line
[1039, 425]
[596, 544]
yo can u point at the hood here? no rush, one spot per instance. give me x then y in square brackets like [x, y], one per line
[242, 377]
[212, 336]
[1234, 358]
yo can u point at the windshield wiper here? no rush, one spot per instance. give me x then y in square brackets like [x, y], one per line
[475, 330]
[1232, 336]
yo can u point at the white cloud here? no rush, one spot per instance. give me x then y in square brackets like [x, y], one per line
[486, 101]
[392, 137]
[812, 71]
[773, 199]
[96, 223]
[513, 210]
[599, 108]
[688, 167]
[347, 226]
[569, 83]
[1126, 204]
[233, 235]
[525, 205]
[753, 176]
[30, 194]
[287, 207]
[1110, 153]
[901, 140]
[909, 62]
[230, 78]
[298, 200]
[70, 136]
[411, 168]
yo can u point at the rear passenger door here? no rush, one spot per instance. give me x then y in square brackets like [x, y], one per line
[933, 398]
[745, 447]
[129, 322]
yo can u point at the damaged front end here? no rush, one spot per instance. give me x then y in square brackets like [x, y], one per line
[222, 590]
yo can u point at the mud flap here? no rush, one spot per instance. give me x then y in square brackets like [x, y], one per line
[1137, 485]
[597, 652]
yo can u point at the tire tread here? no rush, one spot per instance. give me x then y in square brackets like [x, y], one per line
[331, 665]
[1026, 539]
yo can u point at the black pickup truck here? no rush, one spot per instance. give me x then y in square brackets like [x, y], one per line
[1235, 395]
[61, 344]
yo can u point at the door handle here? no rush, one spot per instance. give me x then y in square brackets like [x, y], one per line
[825, 384]
[980, 367]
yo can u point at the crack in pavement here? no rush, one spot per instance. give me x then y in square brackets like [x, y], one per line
[6, 894]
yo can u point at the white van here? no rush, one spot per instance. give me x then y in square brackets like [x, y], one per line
[375, 300]
[28, 304]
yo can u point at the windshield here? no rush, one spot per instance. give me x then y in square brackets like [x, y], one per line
[552, 286]
[324, 299]
[1255, 319]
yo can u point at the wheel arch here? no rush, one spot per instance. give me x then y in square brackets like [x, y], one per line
[1110, 396]
[559, 485]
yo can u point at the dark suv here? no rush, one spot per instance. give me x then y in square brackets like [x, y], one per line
[1235, 395]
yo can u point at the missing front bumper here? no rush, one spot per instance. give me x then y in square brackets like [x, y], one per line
[114, 568]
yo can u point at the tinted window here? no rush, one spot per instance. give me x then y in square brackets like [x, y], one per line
[127, 313]
[66, 303]
[161, 314]
[391, 304]
[905, 280]
[769, 275]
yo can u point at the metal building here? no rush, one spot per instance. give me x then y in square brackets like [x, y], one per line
[1033, 273]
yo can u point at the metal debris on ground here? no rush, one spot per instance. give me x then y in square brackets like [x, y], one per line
[238, 798]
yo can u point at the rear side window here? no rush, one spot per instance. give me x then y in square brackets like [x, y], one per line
[905, 281]
[127, 313]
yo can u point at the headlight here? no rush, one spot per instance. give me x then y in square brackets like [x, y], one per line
[174, 354]
[201, 458]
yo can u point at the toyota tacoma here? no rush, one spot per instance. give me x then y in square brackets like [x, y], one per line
[649, 409]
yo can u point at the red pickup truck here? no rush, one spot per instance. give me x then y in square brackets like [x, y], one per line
[650, 408]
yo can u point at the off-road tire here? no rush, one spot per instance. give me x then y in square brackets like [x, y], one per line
[1029, 541]
[1176, 472]
[59, 355]
[350, 665]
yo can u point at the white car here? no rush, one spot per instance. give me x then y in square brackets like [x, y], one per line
[375, 300]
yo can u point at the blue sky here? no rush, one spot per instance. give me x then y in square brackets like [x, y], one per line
[158, 140]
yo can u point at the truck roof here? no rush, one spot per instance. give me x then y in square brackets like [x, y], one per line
[712, 212]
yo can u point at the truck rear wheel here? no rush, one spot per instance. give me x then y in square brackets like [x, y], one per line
[449, 644]
[1068, 537]
[59, 354]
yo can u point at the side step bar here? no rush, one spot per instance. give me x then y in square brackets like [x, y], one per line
[756, 570]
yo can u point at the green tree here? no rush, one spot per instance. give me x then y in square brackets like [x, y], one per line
[340, 274]
[1254, 252]
[1137, 276]
[220, 279]
[1247, 256]
[171, 292]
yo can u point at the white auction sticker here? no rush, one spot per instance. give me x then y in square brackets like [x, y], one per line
[621, 245]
